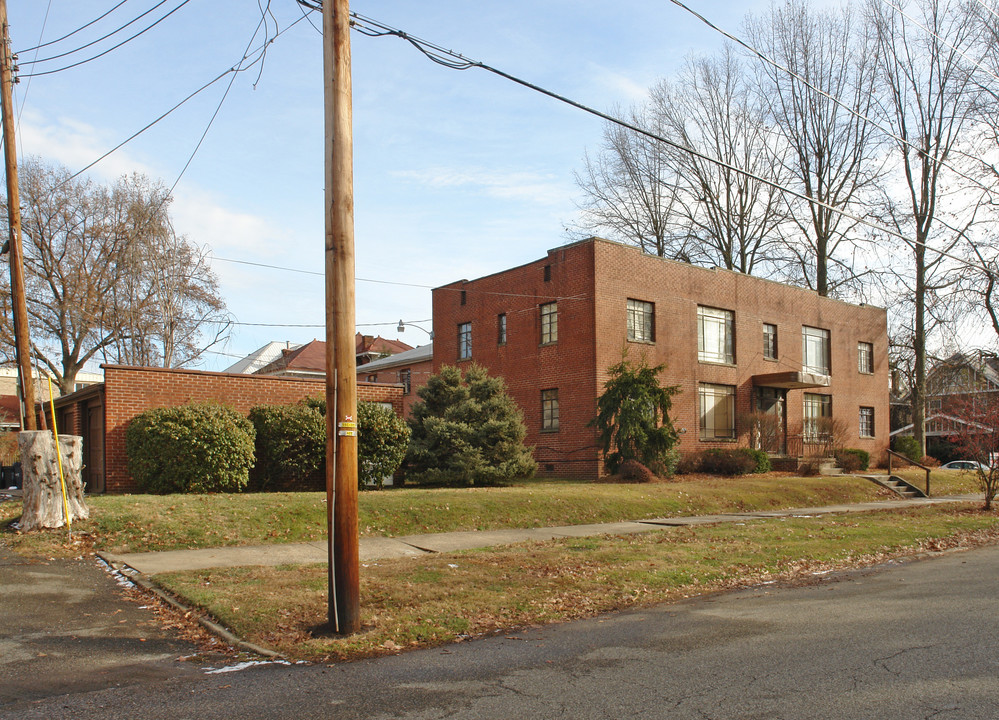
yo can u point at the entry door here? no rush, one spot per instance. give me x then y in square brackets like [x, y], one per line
[771, 420]
[93, 449]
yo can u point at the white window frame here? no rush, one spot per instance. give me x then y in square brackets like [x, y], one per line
[865, 358]
[715, 335]
[815, 350]
[815, 408]
[770, 349]
[716, 405]
[866, 422]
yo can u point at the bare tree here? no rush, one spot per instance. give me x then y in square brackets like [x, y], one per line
[925, 53]
[711, 108]
[629, 190]
[92, 288]
[821, 98]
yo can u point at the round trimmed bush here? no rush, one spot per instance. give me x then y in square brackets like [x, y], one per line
[193, 448]
[290, 447]
[382, 440]
[761, 459]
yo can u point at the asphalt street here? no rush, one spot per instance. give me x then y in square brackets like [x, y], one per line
[914, 639]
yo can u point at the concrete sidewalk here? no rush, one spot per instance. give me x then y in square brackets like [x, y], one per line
[380, 548]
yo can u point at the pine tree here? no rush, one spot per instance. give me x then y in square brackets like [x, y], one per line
[466, 430]
[633, 417]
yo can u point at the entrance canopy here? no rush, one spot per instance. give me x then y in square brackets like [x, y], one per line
[791, 380]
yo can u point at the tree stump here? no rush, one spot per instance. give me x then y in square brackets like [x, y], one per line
[43, 506]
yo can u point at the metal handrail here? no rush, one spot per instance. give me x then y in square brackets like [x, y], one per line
[892, 453]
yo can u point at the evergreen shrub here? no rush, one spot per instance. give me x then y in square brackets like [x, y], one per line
[194, 448]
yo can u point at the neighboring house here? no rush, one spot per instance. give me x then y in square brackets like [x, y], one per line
[261, 357]
[10, 413]
[102, 412]
[757, 362]
[957, 387]
[309, 360]
[409, 369]
[370, 348]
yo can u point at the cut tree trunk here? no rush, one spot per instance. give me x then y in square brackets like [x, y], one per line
[43, 504]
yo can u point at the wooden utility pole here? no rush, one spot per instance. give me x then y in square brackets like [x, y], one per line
[22, 348]
[341, 365]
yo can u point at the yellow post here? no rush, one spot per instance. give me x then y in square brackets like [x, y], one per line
[62, 478]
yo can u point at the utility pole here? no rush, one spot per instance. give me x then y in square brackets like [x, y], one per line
[341, 362]
[20, 309]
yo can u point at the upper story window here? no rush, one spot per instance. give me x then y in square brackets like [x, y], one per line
[769, 341]
[406, 378]
[641, 321]
[865, 358]
[815, 350]
[549, 323]
[464, 341]
[548, 273]
[715, 335]
[501, 329]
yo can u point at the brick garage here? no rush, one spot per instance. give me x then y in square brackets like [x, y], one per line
[591, 283]
[128, 391]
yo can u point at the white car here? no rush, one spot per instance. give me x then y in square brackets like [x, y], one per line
[965, 465]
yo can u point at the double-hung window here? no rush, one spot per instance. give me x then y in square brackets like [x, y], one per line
[769, 341]
[865, 358]
[549, 323]
[867, 422]
[549, 410]
[464, 341]
[818, 417]
[715, 335]
[641, 321]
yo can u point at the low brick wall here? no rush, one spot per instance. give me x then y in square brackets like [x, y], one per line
[129, 391]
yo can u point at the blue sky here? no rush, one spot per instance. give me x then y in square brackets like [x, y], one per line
[458, 174]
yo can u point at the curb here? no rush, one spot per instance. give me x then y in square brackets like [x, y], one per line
[213, 627]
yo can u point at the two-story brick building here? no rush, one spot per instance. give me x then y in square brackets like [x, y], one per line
[742, 350]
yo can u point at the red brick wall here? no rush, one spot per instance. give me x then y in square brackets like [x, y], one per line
[131, 390]
[419, 372]
[592, 281]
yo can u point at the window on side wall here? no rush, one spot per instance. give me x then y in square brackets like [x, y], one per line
[549, 323]
[501, 329]
[464, 341]
[865, 358]
[769, 341]
[815, 350]
[866, 422]
[715, 335]
[641, 321]
[405, 377]
[717, 411]
[549, 410]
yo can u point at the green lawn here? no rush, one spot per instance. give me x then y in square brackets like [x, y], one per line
[139, 523]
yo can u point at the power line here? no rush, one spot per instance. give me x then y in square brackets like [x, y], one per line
[804, 81]
[74, 32]
[110, 49]
[456, 61]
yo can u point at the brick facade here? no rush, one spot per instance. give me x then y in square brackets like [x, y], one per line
[128, 391]
[592, 282]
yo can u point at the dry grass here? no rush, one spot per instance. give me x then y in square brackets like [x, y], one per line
[443, 598]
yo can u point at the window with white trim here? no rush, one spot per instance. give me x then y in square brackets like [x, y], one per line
[815, 350]
[866, 422]
[464, 341]
[641, 321]
[715, 335]
[717, 411]
[865, 358]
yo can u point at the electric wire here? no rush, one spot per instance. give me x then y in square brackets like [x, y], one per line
[829, 96]
[74, 32]
[439, 54]
[110, 49]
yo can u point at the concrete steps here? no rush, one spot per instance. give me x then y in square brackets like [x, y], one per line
[897, 485]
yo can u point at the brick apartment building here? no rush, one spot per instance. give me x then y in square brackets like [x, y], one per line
[740, 348]
[100, 413]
